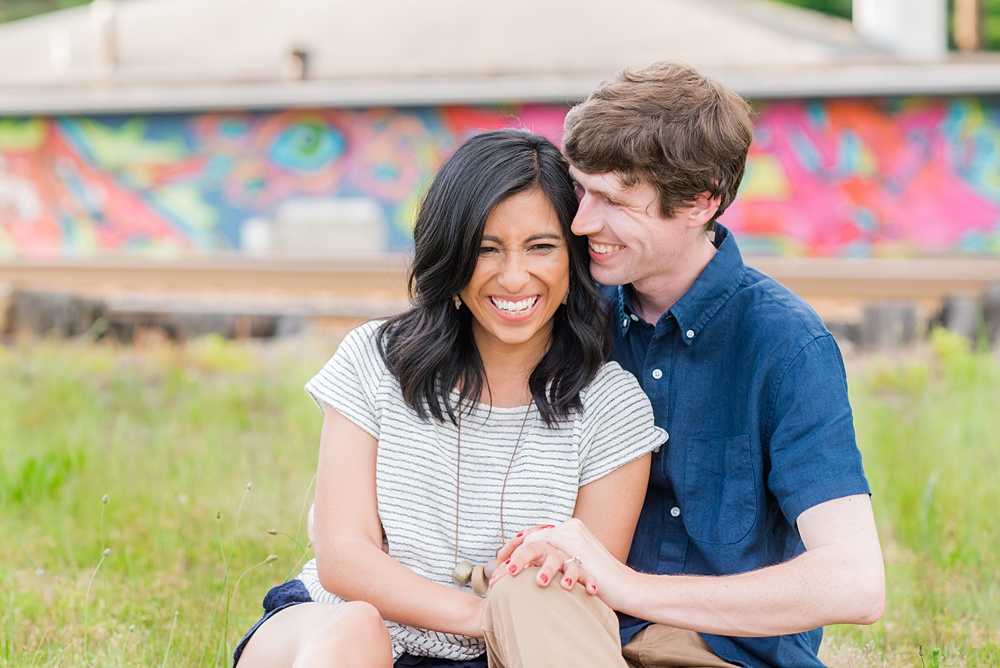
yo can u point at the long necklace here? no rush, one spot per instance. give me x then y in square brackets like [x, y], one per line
[464, 572]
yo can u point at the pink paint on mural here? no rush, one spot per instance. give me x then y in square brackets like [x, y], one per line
[864, 178]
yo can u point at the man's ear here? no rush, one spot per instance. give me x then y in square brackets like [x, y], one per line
[703, 208]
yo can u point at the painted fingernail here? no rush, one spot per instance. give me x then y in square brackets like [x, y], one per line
[506, 562]
[593, 589]
[544, 578]
[521, 533]
[512, 568]
[568, 582]
[547, 526]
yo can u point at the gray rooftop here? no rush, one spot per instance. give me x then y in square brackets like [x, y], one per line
[210, 54]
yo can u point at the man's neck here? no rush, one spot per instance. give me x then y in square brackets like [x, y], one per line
[655, 295]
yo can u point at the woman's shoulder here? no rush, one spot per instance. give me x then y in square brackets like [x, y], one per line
[363, 338]
[611, 382]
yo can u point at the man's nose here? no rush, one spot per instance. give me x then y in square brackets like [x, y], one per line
[586, 221]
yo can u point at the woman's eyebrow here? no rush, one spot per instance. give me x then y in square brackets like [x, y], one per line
[533, 237]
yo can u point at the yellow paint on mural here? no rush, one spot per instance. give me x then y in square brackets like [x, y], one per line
[186, 202]
[765, 179]
[127, 147]
[21, 134]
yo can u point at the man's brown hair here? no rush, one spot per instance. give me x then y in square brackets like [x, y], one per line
[665, 125]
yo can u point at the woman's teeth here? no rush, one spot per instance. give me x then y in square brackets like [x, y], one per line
[514, 308]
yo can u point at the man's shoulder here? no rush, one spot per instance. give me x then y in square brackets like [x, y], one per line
[768, 306]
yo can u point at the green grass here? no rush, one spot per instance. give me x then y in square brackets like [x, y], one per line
[929, 429]
[174, 434]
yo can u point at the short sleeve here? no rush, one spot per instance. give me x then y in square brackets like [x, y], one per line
[350, 381]
[617, 425]
[813, 452]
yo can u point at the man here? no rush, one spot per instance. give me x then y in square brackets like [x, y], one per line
[757, 528]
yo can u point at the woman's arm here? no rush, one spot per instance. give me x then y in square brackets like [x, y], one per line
[348, 541]
[609, 507]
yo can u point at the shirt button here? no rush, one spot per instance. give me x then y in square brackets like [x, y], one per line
[675, 512]
[634, 317]
[657, 374]
[625, 322]
[689, 333]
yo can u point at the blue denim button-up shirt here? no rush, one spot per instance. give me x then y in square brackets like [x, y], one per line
[751, 389]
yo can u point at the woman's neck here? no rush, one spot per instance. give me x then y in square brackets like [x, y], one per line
[507, 371]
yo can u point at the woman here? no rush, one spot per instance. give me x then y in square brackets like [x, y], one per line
[486, 408]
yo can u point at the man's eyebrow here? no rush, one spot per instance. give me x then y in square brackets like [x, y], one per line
[599, 192]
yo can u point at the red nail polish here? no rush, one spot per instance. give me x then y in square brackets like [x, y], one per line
[544, 578]
[512, 568]
[506, 562]
[569, 582]
[547, 526]
[593, 589]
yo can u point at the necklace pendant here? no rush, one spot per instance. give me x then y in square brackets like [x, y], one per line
[462, 573]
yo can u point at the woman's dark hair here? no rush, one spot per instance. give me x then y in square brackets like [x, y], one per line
[430, 348]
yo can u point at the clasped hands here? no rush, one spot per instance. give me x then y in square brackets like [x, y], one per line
[569, 553]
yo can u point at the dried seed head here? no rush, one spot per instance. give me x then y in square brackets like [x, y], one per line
[249, 485]
[104, 499]
[271, 558]
[218, 514]
[273, 532]
[107, 551]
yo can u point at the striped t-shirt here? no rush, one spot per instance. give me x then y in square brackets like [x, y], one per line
[417, 467]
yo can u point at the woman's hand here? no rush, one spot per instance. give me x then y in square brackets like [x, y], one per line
[550, 564]
[559, 548]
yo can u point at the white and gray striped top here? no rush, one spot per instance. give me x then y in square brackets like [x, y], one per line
[417, 465]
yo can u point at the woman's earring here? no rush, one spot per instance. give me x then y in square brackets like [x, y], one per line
[458, 302]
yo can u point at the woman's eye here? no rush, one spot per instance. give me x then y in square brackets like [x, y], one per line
[542, 247]
[487, 250]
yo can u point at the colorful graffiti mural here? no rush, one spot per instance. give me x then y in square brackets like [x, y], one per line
[905, 177]
[913, 176]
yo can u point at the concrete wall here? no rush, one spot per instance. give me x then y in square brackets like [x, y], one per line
[900, 177]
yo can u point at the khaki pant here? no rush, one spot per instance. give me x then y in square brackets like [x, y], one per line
[527, 626]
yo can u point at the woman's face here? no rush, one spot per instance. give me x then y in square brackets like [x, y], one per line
[521, 277]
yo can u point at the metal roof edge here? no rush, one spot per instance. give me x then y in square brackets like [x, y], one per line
[852, 80]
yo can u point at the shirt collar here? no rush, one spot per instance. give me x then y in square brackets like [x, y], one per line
[713, 287]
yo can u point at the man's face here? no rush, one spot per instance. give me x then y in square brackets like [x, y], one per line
[630, 241]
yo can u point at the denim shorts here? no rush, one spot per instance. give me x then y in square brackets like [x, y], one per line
[294, 592]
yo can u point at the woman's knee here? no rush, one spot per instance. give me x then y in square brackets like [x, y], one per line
[359, 621]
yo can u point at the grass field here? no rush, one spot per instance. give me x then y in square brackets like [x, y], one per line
[151, 494]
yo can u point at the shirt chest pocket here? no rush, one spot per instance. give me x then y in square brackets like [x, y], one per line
[719, 489]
